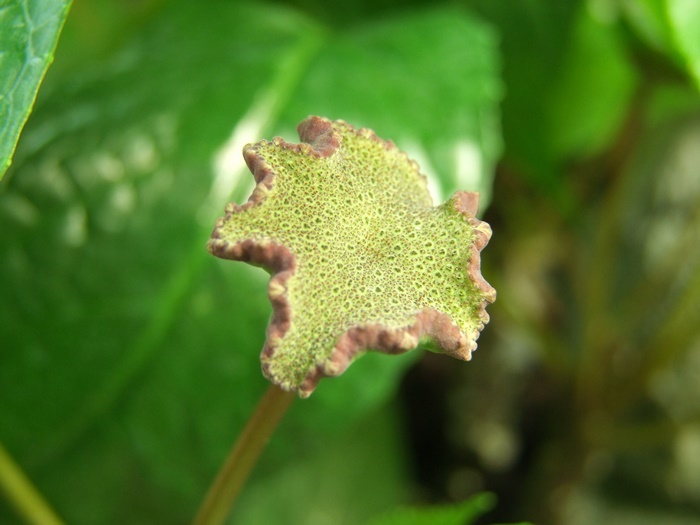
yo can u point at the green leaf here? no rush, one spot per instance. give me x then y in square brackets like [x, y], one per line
[591, 96]
[651, 21]
[568, 82]
[118, 329]
[463, 513]
[361, 258]
[97, 286]
[671, 27]
[685, 19]
[344, 480]
[29, 32]
[535, 38]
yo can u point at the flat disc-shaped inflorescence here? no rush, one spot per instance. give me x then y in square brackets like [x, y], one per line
[361, 259]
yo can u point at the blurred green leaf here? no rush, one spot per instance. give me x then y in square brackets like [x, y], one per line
[672, 101]
[651, 21]
[93, 277]
[670, 27]
[685, 19]
[591, 96]
[118, 329]
[343, 480]
[535, 39]
[29, 32]
[463, 513]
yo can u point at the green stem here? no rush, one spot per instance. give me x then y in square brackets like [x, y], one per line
[243, 456]
[22, 495]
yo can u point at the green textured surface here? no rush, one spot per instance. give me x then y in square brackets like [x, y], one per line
[29, 32]
[370, 249]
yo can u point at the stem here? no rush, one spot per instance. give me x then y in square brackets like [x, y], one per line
[243, 456]
[22, 495]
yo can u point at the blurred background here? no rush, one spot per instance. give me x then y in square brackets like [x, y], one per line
[129, 356]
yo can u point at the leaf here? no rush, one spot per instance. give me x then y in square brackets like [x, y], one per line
[118, 329]
[343, 480]
[361, 259]
[96, 285]
[651, 20]
[685, 19]
[464, 513]
[535, 40]
[29, 32]
[104, 162]
[591, 95]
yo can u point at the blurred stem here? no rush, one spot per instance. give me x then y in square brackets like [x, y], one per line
[673, 338]
[22, 495]
[596, 276]
[244, 456]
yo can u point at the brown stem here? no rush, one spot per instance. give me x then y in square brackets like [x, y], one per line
[244, 456]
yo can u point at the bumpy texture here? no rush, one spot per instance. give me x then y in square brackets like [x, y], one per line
[361, 260]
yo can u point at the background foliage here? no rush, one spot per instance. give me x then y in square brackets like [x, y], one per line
[129, 357]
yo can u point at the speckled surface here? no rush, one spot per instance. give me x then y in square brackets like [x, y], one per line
[361, 259]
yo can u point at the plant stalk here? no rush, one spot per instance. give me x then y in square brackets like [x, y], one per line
[22, 494]
[243, 456]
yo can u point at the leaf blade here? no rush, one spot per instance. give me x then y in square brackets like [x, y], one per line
[30, 31]
[457, 514]
[685, 19]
